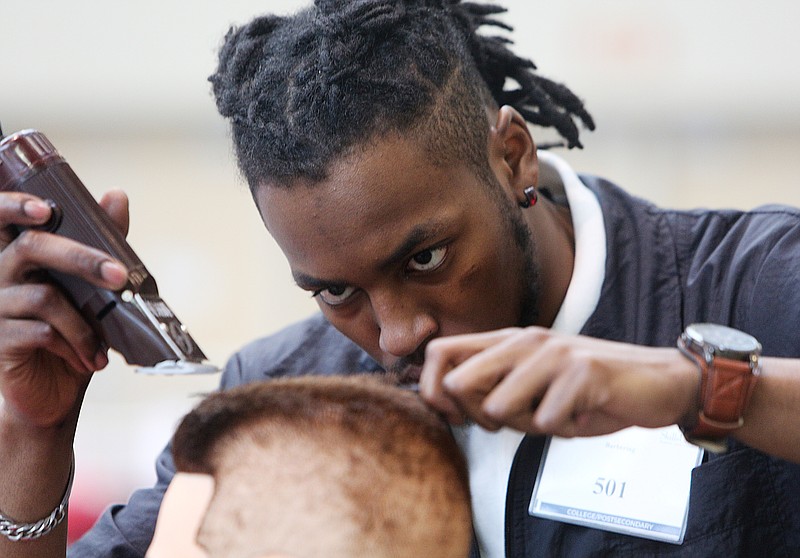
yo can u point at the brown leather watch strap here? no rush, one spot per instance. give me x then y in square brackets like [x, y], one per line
[725, 389]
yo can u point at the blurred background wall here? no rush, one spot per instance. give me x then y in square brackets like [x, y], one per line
[696, 104]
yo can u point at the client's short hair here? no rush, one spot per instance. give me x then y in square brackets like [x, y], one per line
[326, 466]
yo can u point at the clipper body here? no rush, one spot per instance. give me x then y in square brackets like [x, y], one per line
[134, 320]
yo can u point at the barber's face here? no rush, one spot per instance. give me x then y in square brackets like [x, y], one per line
[398, 251]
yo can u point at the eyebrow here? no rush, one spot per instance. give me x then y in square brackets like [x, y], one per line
[419, 234]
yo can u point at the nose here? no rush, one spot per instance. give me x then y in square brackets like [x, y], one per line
[404, 326]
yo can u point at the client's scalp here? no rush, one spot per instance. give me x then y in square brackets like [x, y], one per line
[366, 468]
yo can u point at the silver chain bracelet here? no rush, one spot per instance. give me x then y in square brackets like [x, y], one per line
[28, 531]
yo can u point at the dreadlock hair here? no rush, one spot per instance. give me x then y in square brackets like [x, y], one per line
[303, 90]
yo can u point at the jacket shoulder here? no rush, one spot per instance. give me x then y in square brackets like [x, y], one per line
[311, 346]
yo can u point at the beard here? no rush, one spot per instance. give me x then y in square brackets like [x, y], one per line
[520, 234]
[530, 278]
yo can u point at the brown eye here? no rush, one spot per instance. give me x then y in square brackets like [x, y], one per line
[427, 260]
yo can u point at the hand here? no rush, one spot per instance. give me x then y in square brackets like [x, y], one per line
[47, 351]
[541, 382]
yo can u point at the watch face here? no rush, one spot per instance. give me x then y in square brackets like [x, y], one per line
[724, 340]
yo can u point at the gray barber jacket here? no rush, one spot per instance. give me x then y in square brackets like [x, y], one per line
[665, 269]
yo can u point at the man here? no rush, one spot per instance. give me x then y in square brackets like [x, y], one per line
[401, 181]
[314, 466]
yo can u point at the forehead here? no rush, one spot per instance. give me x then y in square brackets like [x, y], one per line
[370, 200]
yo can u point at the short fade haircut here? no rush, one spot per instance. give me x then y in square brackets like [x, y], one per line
[302, 91]
[364, 466]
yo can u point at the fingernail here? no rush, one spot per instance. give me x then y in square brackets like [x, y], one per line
[36, 209]
[113, 273]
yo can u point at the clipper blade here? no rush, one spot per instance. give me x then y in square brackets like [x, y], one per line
[177, 368]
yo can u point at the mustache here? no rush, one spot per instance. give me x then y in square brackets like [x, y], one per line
[406, 369]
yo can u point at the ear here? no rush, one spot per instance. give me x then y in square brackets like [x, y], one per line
[182, 512]
[512, 152]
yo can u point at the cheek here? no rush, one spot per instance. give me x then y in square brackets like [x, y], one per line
[488, 294]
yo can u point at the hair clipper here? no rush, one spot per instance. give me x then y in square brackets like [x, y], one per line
[134, 320]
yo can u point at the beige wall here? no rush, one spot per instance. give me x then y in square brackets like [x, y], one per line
[696, 103]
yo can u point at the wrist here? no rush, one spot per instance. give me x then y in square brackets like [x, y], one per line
[728, 361]
[35, 462]
[15, 530]
[16, 430]
[690, 378]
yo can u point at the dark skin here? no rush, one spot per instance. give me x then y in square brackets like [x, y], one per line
[476, 363]
[47, 356]
[401, 251]
[339, 234]
[335, 234]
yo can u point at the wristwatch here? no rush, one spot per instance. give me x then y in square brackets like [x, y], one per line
[728, 361]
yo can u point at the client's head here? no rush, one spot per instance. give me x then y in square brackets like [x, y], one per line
[323, 466]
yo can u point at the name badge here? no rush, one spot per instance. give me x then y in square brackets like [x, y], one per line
[635, 481]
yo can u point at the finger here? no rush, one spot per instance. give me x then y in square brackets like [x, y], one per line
[515, 399]
[115, 203]
[441, 356]
[33, 250]
[576, 405]
[21, 337]
[470, 383]
[430, 388]
[18, 209]
[565, 399]
[47, 304]
[445, 353]
[516, 396]
[548, 390]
